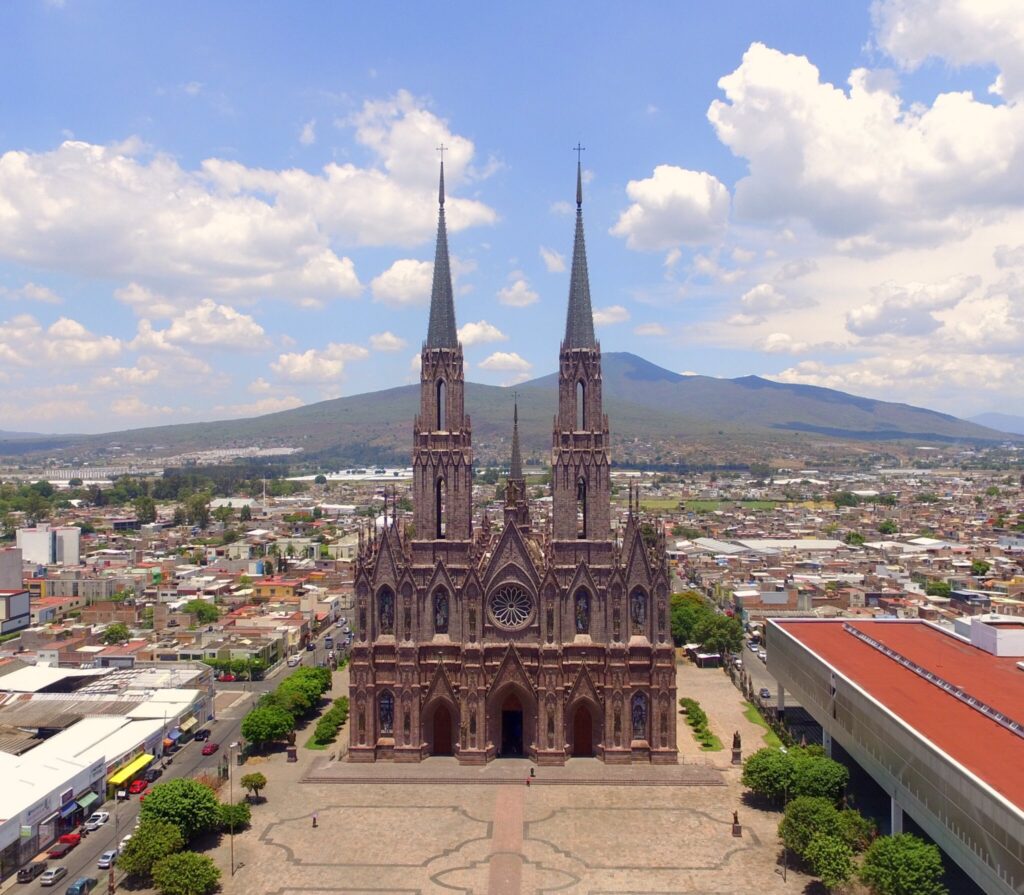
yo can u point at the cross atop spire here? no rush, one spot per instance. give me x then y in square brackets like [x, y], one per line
[441, 332]
[579, 321]
[515, 472]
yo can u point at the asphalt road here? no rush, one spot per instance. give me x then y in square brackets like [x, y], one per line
[186, 762]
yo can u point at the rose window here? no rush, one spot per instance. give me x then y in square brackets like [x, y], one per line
[510, 608]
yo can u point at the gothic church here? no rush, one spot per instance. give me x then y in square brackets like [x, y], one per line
[484, 644]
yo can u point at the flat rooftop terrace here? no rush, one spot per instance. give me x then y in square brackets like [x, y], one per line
[984, 747]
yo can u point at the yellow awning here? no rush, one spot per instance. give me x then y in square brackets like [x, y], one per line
[187, 724]
[130, 769]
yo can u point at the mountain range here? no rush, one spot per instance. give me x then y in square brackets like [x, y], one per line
[1004, 422]
[646, 405]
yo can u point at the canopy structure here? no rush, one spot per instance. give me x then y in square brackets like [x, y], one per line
[87, 801]
[130, 770]
[68, 809]
[188, 724]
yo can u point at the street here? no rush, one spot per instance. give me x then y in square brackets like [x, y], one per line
[188, 761]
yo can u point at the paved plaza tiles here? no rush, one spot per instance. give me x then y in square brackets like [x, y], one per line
[439, 829]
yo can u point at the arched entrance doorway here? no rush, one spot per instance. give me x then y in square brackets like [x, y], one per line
[582, 732]
[442, 737]
[512, 727]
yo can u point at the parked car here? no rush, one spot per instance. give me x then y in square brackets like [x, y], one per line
[293, 661]
[97, 819]
[202, 735]
[764, 693]
[124, 842]
[310, 646]
[138, 786]
[107, 859]
[227, 678]
[152, 774]
[31, 871]
[58, 850]
[210, 748]
[71, 838]
[82, 885]
[52, 876]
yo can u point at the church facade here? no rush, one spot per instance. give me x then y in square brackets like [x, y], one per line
[486, 643]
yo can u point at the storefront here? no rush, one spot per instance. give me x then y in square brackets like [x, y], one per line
[188, 727]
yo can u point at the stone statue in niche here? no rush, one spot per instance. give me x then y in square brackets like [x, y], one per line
[639, 717]
[441, 612]
[386, 612]
[582, 612]
[387, 713]
[638, 611]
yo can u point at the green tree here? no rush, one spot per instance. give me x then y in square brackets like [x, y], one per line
[805, 816]
[223, 514]
[197, 509]
[235, 817]
[938, 588]
[320, 480]
[253, 783]
[186, 873]
[830, 859]
[979, 568]
[145, 509]
[205, 612]
[854, 539]
[186, 803]
[845, 499]
[686, 610]
[75, 483]
[858, 830]
[245, 514]
[152, 841]
[116, 633]
[266, 723]
[903, 865]
[719, 633]
[888, 527]
[768, 773]
[816, 775]
[180, 516]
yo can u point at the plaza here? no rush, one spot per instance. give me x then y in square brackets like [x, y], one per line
[435, 827]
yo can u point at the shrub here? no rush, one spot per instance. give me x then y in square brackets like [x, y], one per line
[903, 865]
[805, 816]
[816, 775]
[830, 859]
[234, 817]
[769, 773]
[185, 873]
[858, 830]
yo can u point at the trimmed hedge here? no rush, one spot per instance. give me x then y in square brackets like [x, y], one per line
[331, 722]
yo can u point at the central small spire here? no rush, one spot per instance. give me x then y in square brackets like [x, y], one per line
[579, 320]
[515, 472]
[441, 332]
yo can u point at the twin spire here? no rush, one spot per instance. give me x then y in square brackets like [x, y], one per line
[579, 321]
[442, 332]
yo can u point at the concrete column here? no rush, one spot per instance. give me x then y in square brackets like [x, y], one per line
[826, 741]
[781, 702]
[895, 816]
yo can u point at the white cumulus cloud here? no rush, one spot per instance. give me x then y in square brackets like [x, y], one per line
[208, 325]
[650, 329]
[517, 293]
[317, 365]
[908, 309]
[553, 261]
[386, 341]
[611, 314]
[479, 333]
[407, 282]
[673, 206]
[507, 361]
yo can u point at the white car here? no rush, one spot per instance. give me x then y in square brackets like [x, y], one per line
[107, 859]
[97, 819]
[293, 661]
[51, 876]
[124, 842]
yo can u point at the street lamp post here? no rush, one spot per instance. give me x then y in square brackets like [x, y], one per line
[231, 798]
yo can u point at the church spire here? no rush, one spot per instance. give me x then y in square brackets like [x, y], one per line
[441, 332]
[579, 321]
[515, 472]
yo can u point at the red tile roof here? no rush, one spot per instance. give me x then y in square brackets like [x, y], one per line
[982, 746]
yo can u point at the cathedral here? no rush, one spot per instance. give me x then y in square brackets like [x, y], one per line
[544, 643]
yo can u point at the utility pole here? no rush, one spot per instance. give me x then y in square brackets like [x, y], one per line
[231, 798]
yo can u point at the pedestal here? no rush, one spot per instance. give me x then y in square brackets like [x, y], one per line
[737, 830]
[737, 756]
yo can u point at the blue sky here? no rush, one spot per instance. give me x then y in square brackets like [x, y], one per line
[212, 210]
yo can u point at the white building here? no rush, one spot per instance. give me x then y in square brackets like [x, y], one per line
[45, 546]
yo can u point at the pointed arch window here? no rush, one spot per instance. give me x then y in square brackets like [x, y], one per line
[581, 507]
[581, 406]
[440, 509]
[386, 713]
[442, 410]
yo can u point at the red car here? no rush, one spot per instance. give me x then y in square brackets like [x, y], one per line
[227, 678]
[71, 838]
[137, 787]
[210, 748]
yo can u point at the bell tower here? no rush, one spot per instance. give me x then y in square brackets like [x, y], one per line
[581, 487]
[442, 438]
